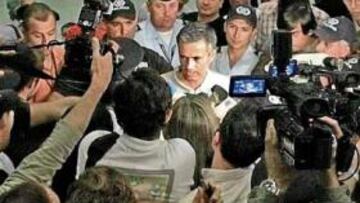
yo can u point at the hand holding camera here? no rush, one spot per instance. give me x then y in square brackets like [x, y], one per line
[101, 67]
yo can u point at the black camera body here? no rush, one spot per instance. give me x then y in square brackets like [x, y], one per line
[92, 11]
[78, 51]
[300, 147]
[8, 101]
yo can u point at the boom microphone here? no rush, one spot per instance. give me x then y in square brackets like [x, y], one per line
[23, 61]
[218, 95]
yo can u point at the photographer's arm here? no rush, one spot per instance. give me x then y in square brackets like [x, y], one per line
[331, 190]
[278, 171]
[46, 112]
[41, 165]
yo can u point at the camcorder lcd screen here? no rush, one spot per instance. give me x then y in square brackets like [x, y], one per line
[247, 86]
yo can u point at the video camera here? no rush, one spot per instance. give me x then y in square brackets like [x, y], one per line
[8, 101]
[78, 49]
[304, 142]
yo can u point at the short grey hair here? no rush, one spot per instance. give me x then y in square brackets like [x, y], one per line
[197, 31]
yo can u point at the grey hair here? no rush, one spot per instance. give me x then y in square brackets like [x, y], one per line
[297, 12]
[197, 31]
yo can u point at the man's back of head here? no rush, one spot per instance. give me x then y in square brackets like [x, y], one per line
[142, 103]
[239, 144]
[30, 192]
[100, 184]
[299, 18]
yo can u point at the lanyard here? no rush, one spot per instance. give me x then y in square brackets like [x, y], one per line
[163, 49]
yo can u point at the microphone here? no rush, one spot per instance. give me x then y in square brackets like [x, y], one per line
[281, 49]
[24, 61]
[19, 47]
[218, 95]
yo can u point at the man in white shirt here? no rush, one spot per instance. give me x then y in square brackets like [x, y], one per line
[236, 150]
[157, 169]
[160, 30]
[238, 57]
[197, 42]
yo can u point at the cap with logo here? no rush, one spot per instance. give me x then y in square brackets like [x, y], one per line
[122, 8]
[244, 12]
[336, 29]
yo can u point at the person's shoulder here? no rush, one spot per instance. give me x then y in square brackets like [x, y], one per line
[91, 137]
[218, 21]
[142, 25]
[182, 150]
[142, 30]
[219, 76]
[268, 7]
[169, 75]
[10, 34]
[219, 79]
[189, 197]
[180, 146]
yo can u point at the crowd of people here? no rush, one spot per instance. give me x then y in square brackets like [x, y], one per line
[139, 119]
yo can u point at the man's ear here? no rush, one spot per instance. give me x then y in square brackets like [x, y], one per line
[168, 115]
[212, 53]
[253, 35]
[215, 144]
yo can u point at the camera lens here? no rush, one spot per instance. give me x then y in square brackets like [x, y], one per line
[352, 80]
[314, 108]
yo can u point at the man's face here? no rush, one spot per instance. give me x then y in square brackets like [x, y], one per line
[163, 14]
[40, 32]
[209, 7]
[121, 27]
[238, 2]
[354, 8]
[239, 33]
[337, 49]
[300, 41]
[6, 124]
[195, 59]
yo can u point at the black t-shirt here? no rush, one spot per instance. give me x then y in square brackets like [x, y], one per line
[17, 148]
[217, 25]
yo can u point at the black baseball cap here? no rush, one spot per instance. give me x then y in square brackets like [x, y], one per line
[122, 8]
[244, 12]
